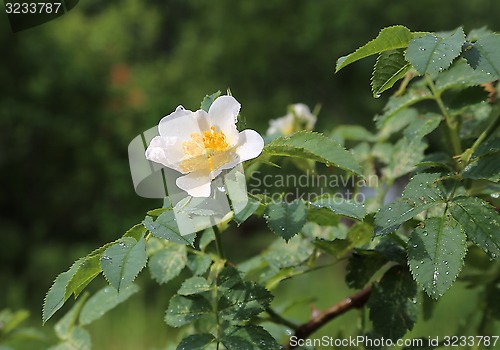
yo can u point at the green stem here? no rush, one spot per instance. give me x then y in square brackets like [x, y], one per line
[217, 318]
[451, 126]
[383, 190]
[484, 135]
[218, 243]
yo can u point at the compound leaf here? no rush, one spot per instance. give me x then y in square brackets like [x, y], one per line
[362, 266]
[421, 193]
[250, 337]
[389, 68]
[286, 219]
[484, 55]
[243, 301]
[340, 206]
[194, 285]
[435, 254]
[390, 38]
[165, 226]
[480, 221]
[314, 146]
[183, 310]
[103, 301]
[122, 262]
[198, 341]
[393, 303]
[56, 296]
[432, 54]
[461, 75]
[167, 263]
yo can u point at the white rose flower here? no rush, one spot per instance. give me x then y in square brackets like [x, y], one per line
[299, 117]
[201, 145]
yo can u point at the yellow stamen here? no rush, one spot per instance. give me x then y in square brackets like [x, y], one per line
[205, 151]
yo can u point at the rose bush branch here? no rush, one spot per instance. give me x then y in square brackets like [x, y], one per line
[321, 318]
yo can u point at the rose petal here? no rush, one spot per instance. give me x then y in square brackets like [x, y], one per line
[161, 150]
[223, 114]
[250, 145]
[196, 184]
[179, 124]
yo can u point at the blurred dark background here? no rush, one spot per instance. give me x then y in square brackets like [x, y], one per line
[75, 91]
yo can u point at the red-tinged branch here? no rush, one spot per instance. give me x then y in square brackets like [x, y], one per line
[321, 318]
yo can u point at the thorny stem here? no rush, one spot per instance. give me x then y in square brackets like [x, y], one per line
[451, 126]
[318, 320]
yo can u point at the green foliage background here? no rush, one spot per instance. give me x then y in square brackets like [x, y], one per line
[75, 91]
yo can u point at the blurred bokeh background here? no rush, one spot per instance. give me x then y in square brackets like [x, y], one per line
[75, 91]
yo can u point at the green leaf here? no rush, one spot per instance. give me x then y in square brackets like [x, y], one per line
[351, 132]
[389, 38]
[208, 100]
[65, 325]
[422, 192]
[250, 208]
[198, 264]
[56, 296]
[250, 338]
[362, 266]
[341, 206]
[405, 155]
[136, 232]
[89, 269]
[396, 111]
[286, 219]
[206, 238]
[393, 303]
[287, 254]
[480, 221]
[166, 227]
[322, 216]
[228, 278]
[488, 147]
[435, 254]
[194, 285]
[183, 310]
[389, 68]
[359, 234]
[122, 262]
[461, 75]
[167, 263]
[103, 301]
[157, 212]
[314, 146]
[10, 321]
[243, 301]
[78, 340]
[422, 125]
[432, 54]
[392, 251]
[484, 55]
[196, 342]
[486, 167]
